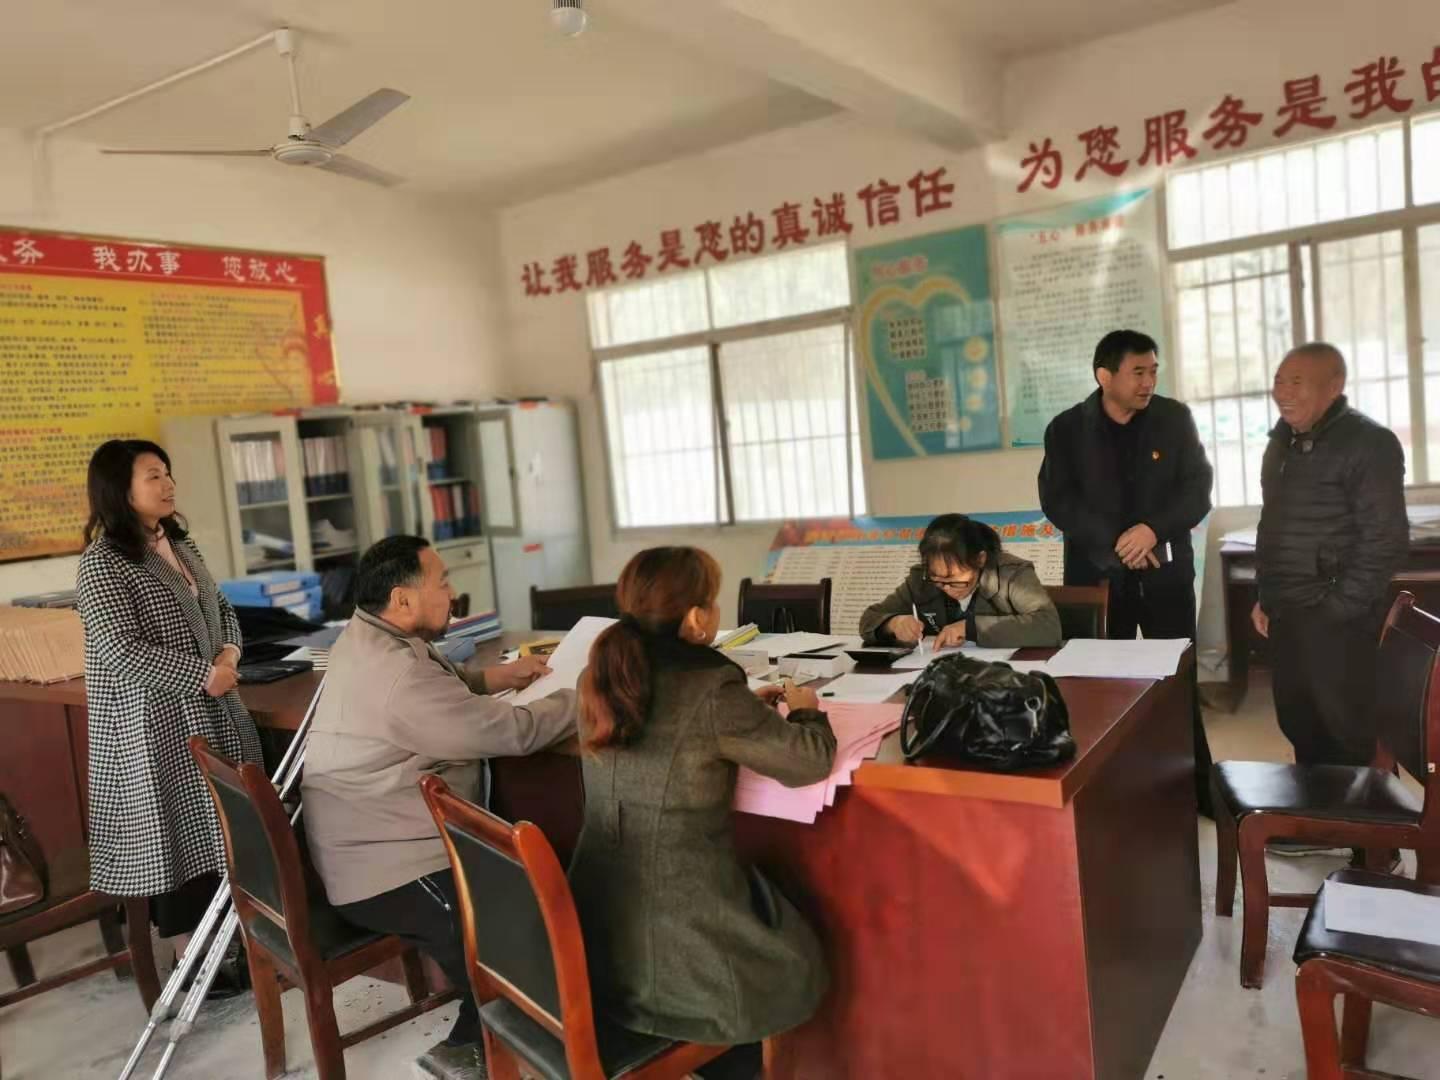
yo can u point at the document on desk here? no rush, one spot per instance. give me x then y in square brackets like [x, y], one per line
[917, 659]
[853, 689]
[567, 661]
[778, 645]
[859, 730]
[1138, 659]
[1387, 913]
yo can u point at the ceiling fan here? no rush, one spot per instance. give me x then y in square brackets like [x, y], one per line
[316, 146]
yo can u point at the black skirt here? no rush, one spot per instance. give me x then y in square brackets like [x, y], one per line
[179, 911]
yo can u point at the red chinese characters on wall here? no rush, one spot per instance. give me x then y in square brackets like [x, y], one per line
[1376, 87]
[789, 225]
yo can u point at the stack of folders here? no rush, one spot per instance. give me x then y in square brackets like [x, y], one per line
[40, 645]
[461, 637]
[439, 466]
[297, 591]
[732, 639]
[457, 510]
[327, 465]
[259, 470]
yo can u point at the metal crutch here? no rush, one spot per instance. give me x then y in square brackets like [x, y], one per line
[285, 775]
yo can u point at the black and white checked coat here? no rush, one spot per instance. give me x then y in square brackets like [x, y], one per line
[149, 645]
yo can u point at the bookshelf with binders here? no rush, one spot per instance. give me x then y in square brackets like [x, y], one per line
[453, 473]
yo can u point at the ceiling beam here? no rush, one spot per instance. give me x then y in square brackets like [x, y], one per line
[896, 65]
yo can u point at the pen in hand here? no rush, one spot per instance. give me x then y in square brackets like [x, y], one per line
[915, 610]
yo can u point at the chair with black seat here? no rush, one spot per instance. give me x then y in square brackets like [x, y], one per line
[1362, 807]
[786, 609]
[289, 929]
[1084, 609]
[1365, 969]
[561, 609]
[526, 957]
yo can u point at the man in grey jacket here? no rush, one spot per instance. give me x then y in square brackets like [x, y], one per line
[1332, 533]
[393, 710]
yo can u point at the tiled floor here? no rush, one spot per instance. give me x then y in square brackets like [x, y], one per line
[1217, 1030]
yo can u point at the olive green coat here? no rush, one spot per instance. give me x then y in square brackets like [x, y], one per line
[684, 941]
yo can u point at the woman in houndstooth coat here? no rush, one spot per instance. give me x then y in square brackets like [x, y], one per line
[161, 649]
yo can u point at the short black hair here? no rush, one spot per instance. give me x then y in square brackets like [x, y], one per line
[955, 538]
[1118, 344]
[392, 562]
[107, 483]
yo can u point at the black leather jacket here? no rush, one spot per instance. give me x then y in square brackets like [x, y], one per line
[1333, 529]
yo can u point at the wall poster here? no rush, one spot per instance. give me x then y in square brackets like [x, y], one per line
[101, 337]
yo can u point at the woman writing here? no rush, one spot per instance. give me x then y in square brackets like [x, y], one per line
[683, 940]
[965, 589]
[161, 649]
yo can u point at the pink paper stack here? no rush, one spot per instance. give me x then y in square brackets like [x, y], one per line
[858, 729]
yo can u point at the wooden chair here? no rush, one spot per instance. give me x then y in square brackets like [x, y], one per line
[1084, 609]
[1340, 805]
[526, 957]
[1365, 969]
[130, 951]
[786, 609]
[289, 929]
[560, 609]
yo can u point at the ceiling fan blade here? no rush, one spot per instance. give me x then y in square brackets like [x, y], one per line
[358, 170]
[344, 126]
[196, 153]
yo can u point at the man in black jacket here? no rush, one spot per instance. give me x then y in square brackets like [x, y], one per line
[1333, 531]
[1125, 478]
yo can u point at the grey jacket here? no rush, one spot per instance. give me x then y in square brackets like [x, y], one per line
[682, 940]
[1012, 608]
[394, 709]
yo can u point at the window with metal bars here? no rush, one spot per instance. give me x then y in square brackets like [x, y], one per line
[728, 394]
[1335, 240]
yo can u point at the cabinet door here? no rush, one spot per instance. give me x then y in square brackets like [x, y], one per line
[500, 508]
[470, 577]
[392, 475]
[262, 471]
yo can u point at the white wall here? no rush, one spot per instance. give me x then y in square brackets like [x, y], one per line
[1247, 49]
[413, 289]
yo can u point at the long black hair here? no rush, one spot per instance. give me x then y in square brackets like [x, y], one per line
[112, 469]
[960, 540]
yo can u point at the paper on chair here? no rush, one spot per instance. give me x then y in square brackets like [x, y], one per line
[1388, 913]
[567, 661]
[917, 659]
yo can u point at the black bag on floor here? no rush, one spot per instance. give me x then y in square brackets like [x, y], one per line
[987, 715]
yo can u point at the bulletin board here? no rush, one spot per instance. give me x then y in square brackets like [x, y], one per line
[927, 346]
[102, 337]
[1069, 276]
[867, 558]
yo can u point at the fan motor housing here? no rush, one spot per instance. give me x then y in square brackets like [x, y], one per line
[303, 152]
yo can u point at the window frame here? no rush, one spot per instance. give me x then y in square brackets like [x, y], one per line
[712, 340]
[1302, 243]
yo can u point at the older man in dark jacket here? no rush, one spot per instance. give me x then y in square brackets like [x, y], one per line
[1332, 533]
[1125, 478]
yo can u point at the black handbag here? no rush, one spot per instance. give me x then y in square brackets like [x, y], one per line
[988, 715]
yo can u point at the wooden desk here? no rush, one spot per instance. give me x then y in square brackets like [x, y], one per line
[981, 925]
[977, 925]
[1420, 575]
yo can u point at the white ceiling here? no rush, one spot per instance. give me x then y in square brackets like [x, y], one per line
[503, 107]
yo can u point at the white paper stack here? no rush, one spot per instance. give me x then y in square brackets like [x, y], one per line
[859, 730]
[853, 689]
[922, 658]
[1139, 659]
[778, 645]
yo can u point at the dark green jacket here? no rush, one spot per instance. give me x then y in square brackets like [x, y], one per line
[684, 941]
[1012, 608]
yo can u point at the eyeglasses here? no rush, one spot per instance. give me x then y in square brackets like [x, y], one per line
[950, 583]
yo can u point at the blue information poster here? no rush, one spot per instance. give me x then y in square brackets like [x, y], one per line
[925, 327]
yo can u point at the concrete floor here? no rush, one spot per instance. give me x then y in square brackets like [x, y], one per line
[1217, 1030]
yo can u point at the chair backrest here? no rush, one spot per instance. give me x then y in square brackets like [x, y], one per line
[1407, 697]
[561, 609]
[1084, 609]
[262, 853]
[522, 933]
[786, 609]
